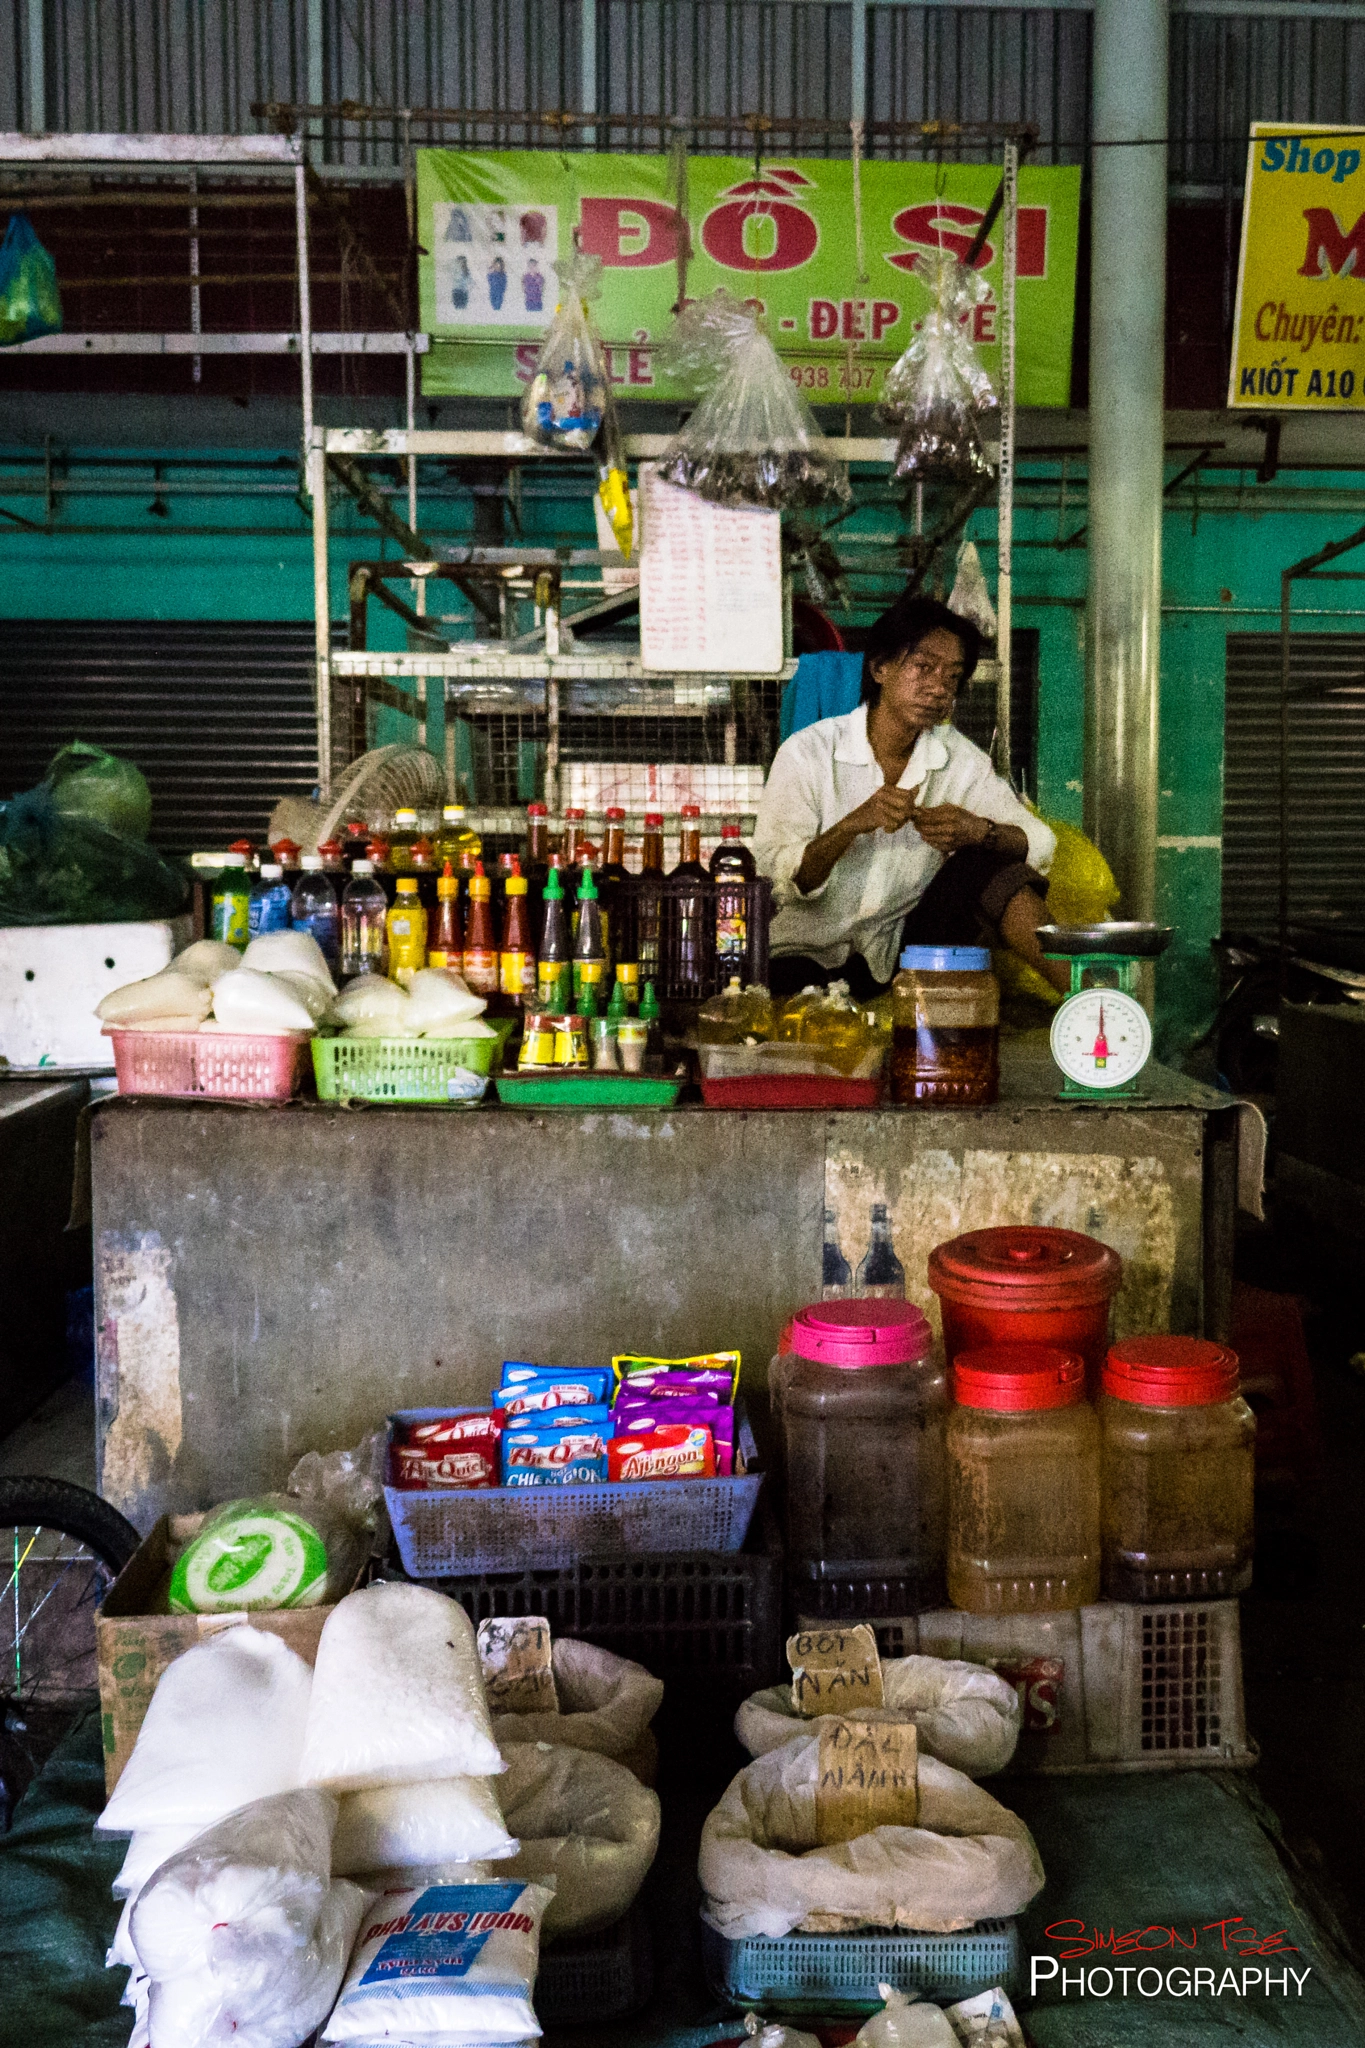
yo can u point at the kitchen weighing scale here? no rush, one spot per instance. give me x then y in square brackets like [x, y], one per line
[1101, 1035]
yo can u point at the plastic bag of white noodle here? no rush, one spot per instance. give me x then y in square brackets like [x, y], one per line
[454, 1820]
[764, 1870]
[225, 1726]
[965, 1715]
[397, 1694]
[448, 1964]
[243, 1934]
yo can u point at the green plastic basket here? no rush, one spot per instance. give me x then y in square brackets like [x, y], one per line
[399, 1069]
[587, 1091]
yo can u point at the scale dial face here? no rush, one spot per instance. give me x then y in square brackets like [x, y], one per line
[1101, 1038]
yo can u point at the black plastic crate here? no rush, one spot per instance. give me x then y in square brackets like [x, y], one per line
[597, 1977]
[679, 1613]
[874, 1592]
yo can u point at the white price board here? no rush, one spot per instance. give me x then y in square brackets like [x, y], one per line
[710, 584]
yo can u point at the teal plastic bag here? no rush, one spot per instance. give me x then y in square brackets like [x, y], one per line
[30, 303]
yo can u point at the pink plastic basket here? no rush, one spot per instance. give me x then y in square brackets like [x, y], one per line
[239, 1066]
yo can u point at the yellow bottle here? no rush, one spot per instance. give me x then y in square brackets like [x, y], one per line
[407, 922]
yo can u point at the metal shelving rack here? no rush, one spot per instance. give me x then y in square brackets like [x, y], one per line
[503, 669]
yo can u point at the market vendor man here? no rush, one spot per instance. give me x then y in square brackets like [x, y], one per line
[888, 828]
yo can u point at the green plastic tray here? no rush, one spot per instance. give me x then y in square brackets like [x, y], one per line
[588, 1091]
[398, 1069]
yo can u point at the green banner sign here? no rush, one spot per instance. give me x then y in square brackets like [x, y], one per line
[840, 308]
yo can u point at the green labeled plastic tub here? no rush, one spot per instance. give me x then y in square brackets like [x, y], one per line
[423, 1070]
[588, 1091]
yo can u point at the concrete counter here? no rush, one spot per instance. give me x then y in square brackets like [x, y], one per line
[274, 1280]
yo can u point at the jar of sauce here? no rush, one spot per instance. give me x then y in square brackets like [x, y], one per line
[860, 1406]
[945, 1028]
[1178, 1447]
[1023, 1483]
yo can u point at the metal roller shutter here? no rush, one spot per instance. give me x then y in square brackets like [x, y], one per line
[1326, 780]
[218, 716]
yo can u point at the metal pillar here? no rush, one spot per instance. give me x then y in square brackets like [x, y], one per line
[1004, 610]
[1127, 360]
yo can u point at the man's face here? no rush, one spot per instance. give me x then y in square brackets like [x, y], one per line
[922, 686]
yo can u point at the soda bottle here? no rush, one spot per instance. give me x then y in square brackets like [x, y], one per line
[480, 939]
[589, 953]
[445, 935]
[837, 1274]
[648, 890]
[269, 908]
[516, 954]
[313, 908]
[692, 910]
[732, 870]
[554, 968]
[407, 928]
[881, 1272]
[364, 909]
[230, 902]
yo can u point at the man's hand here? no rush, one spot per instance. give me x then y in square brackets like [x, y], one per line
[947, 827]
[886, 810]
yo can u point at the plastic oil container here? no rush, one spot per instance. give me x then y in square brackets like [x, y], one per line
[1027, 1284]
[1023, 1482]
[1178, 1445]
[860, 1406]
[945, 1028]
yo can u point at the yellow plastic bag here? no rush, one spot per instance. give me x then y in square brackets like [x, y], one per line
[1080, 890]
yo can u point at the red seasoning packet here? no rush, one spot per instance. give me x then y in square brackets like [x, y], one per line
[677, 1450]
[448, 1451]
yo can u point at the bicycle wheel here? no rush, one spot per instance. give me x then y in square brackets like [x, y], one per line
[61, 1549]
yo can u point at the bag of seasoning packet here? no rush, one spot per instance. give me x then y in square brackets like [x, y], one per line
[717, 1369]
[675, 1450]
[445, 1451]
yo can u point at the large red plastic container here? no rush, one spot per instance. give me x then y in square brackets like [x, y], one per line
[1027, 1284]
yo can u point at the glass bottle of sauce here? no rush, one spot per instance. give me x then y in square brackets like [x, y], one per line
[589, 951]
[613, 887]
[732, 870]
[649, 888]
[480, 939]
[554, 967]
[694, 962]
[445, 942]
[516, 954]
[575, 834]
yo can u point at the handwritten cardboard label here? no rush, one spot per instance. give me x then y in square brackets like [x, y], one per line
[868, 1778]
[835, 1671]
[518, 1678]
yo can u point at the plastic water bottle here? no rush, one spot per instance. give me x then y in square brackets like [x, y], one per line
[364, 908]
[313, 908]
[270, 901]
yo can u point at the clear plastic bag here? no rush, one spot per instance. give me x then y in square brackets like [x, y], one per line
[30, 303]
[971, 597]
[753, 439]
[938, 387]
[411, 1827]
[397, 1694]
[244, 1935]
[776, 2034]
[905, 2023]
[568, 403]
[225, 1726]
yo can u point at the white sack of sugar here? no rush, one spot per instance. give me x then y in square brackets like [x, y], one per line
[397, 1694]
[225, 1726]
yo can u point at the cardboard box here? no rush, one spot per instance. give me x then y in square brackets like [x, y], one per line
[134, 1643]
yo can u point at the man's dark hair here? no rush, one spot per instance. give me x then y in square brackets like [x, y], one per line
[900, 630]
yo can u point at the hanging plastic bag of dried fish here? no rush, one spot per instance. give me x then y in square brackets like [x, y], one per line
[938, 389]
[753, 439]
[568, 402]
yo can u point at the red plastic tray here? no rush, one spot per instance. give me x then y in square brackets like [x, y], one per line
[792, 1091]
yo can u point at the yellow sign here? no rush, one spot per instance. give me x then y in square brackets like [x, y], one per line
[1299, 334]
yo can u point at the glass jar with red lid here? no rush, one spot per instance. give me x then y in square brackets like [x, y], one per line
[1023, 1482]
[860, 1405]
[1027, 1284]
[1178, 1456]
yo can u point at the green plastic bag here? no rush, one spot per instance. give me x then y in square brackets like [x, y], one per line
[74, 850]
[30, 303]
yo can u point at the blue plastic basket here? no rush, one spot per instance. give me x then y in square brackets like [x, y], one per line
[509, 1528]
[839, 1973]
